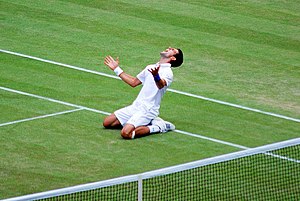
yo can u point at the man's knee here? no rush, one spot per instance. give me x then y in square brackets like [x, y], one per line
[127, 131]
[111, 121]
[106, 123]
[126, 135]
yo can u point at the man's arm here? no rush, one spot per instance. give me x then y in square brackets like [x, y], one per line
[114, 65]
[160, 83]
[132, 81]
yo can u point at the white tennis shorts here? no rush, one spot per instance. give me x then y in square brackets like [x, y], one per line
[135, 115]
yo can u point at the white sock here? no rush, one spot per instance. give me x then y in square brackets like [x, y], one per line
[154, 129]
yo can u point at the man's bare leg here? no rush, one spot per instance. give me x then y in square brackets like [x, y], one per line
[130, 132]
[111, 121]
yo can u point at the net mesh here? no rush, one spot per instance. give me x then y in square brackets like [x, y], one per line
[260, 176]
[125, 191]
[256, 177]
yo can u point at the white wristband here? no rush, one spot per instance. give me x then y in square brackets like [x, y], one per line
[118, 70]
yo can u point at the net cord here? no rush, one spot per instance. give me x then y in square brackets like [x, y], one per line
[160, 172]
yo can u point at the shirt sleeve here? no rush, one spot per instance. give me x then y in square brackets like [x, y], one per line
[167, 75]
[141, 76]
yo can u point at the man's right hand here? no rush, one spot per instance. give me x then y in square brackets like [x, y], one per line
[111, 63]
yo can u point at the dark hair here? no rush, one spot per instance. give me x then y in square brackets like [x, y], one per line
[179, 59]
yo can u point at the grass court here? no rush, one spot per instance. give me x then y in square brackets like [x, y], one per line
[245, 53]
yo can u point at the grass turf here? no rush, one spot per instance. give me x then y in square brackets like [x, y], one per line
[241, 52]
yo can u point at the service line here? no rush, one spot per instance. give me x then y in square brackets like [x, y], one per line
[41, 117]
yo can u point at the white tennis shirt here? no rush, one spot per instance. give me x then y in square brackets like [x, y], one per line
[150, 95]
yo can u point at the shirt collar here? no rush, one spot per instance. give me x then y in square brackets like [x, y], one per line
[164, 65]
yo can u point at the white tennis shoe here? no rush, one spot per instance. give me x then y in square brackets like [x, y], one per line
[169, 126]
[164, 126]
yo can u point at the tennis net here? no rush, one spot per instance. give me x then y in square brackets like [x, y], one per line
[270, 172]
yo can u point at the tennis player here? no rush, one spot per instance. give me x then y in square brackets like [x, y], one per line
[141, 117]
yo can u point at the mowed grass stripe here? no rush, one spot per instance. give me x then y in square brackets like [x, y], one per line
[280, 12]
[119, 19]
[112, 17]
[232, 46]
[199, 15]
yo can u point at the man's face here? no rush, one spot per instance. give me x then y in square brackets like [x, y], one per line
[169, 52]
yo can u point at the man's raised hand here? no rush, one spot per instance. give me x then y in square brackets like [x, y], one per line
[111, 63]
[154, 71]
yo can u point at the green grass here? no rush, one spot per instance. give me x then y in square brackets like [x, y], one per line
[242, 52]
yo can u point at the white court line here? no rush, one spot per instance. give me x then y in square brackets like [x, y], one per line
[282, 157]
[106, 113]
[41, 117]
[211, 139]
[178, 131]
[234, 145]
[53, 100]
[171, 90]
[236, 106]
